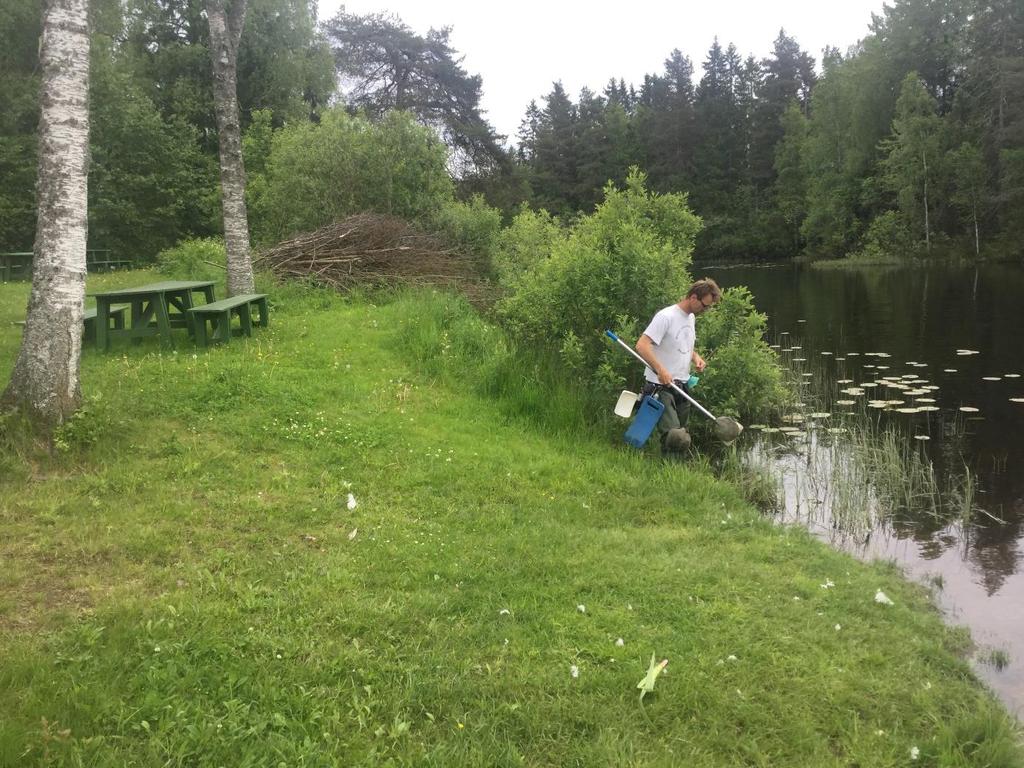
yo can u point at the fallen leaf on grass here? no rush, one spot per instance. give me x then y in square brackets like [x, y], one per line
[353, 533]
[656, 668]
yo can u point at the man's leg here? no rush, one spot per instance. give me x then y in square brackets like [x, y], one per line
[675, 440]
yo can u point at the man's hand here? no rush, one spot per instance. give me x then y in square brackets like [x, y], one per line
[644, 347]
[699, 362]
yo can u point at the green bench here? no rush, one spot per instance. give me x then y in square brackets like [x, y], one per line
[89, 321]
[219, 313]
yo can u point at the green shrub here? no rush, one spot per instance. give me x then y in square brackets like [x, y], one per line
[886, 241]
[615, 269]
[319, 173]
[473, 227]
[199, 259]
[530, 238]
[620, 264]
[743, 374]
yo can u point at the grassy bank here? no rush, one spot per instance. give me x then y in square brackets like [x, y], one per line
[187, 583]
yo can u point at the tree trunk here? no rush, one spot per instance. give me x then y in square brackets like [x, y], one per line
[225, 32]
[977, 244]
[45, 383]
[927, 229]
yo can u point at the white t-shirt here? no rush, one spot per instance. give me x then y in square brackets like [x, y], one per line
[673, 332]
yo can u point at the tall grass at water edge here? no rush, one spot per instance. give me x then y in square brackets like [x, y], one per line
[855, 471]
[188, 582]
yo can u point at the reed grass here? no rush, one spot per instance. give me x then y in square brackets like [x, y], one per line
[872, 472]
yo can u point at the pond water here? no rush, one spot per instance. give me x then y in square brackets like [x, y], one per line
[957, 331]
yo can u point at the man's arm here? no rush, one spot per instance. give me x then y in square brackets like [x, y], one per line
[646, 349]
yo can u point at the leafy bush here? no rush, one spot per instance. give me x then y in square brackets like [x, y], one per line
[530, 238]
[199, 259]
[473, 227]
[886, 241]
[622, 263]
[743, 374]
[319, 173]
[615, 269]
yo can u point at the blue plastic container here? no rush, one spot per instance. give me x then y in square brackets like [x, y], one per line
[644, 422]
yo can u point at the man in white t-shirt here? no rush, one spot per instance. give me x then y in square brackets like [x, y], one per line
[669, 347]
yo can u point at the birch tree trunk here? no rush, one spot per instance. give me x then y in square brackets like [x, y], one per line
[44, 383]
[225, 32]
[927, 227]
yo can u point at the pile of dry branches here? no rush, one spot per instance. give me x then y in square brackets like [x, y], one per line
[372, 249]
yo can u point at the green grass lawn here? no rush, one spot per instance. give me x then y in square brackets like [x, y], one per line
[185, 583]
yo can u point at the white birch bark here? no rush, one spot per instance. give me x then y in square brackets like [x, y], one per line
[45, 380]
[225, 32]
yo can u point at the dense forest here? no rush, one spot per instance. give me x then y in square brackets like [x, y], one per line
[911, 143]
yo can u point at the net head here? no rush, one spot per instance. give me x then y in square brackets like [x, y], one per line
[727, 430]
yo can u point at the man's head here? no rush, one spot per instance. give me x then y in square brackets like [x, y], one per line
[702, 295]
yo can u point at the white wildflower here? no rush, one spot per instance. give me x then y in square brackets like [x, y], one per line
[914, 753]
[620, 642]
[504, 612]
[574, 671]
[881, 597]
[351, 501]
[581, 608]
[828, 584]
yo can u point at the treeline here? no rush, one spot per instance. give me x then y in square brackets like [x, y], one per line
[911, 143]
[153, 177]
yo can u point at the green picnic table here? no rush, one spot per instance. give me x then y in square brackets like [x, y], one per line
[15, 261]
[156, 308]
[19, 263]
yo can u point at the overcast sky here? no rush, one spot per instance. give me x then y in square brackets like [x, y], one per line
[521, 48]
